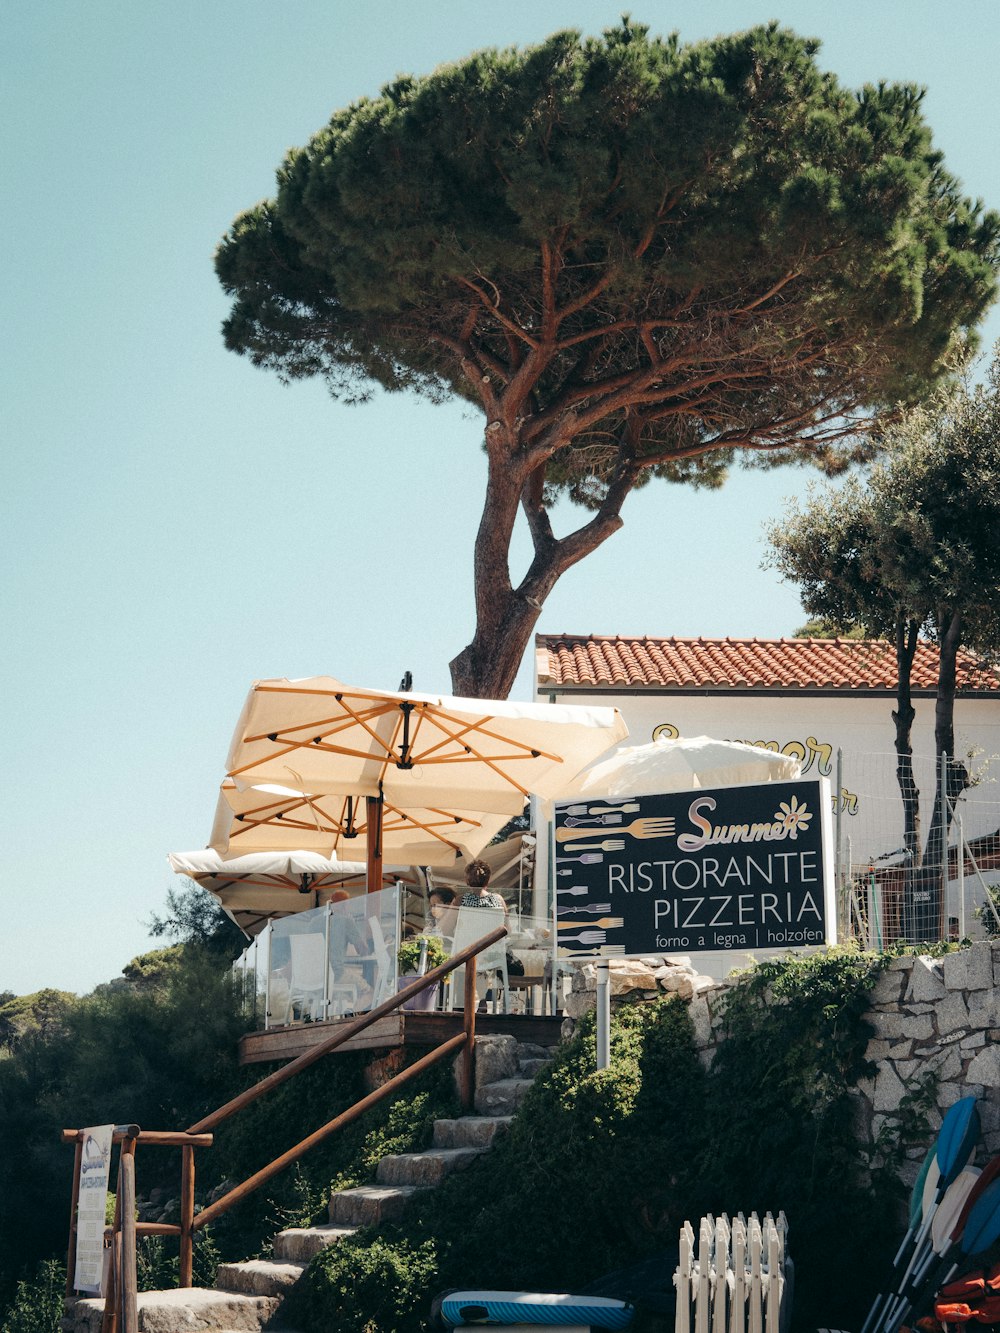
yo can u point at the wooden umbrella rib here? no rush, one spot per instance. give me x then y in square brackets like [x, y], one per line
[529, 751]
[450, 814]
[429, 828]
[315, 727]
[337, 722]
[471, 757]
[299, 821]
[279, 806]
[290, 748]
[248, 882]
[405, 819]
[275, 810]
[460, 739]
[340, 693]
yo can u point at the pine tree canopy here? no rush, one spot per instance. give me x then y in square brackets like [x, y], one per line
[635, 256]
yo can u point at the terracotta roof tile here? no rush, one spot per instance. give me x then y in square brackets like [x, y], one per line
[758, 664]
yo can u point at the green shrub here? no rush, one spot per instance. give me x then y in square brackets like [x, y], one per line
[372, 1283]
[37, 1306]
[597, 1155]
[600, 1168]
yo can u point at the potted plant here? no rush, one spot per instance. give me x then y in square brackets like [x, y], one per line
[408, 958]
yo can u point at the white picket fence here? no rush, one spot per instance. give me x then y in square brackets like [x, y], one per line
[734, 1277]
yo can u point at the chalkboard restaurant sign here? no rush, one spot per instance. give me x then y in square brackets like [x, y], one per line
[741, 868]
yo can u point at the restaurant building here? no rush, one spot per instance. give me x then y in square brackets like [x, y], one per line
[828, 702]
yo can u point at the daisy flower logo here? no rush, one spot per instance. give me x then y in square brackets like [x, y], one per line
[792, 815]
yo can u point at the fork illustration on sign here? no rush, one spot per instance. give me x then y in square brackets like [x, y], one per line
[584, 937]
[615, 818]
[608, 845]
[588, 859]
[582, 907]
[606, 922]
[654, 827]
[629, 807]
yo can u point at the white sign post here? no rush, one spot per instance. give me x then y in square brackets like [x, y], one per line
[95, 1163]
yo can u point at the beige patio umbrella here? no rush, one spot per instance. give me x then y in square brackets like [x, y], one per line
[410, 753]
[272, 818]
[265, 886]
[680, 765]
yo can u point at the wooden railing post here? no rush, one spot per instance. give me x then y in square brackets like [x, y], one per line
[109, 1320]
[469, 1050]
[187, 1216]
[121, 1292]
[127, 1277]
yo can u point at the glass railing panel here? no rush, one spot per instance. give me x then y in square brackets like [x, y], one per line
[333, 961]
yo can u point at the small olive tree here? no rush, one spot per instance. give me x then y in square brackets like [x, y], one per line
[915, 548]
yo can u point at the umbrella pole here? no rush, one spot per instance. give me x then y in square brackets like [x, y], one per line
[373, 874]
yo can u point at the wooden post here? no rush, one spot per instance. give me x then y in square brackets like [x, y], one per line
[71, 1248]
[109, 1320]
[187, 1216]
[469, 1050]
[127, 1277]
[373, 874]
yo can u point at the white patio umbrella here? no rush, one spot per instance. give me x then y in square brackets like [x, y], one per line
[272, 818]
[410, 754]
[681, 765]
[321, 736]
[264, 886]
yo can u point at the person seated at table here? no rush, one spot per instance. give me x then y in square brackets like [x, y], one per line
[477, 877]
[444, 912]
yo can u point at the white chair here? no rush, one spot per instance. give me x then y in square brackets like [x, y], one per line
[343, 991]
[306, 985]
[385, 973]
[472, 924]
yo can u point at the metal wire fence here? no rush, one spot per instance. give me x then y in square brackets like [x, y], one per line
[918, 852]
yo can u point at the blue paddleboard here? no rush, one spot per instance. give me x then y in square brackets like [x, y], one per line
[459, 1308]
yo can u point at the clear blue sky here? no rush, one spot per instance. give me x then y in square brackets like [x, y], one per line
[177, 523]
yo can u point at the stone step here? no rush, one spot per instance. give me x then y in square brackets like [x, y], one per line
[530, 1068]
[369, 1204]
[470, 1131]
[259, 1277]
[530, 1050]
[503, 1097]
[209, 1311]
[297, 1245]
[424, 1168]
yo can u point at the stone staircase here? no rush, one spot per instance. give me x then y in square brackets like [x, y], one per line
[247, 1296]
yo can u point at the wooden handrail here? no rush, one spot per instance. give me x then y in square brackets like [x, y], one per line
[465, 1040]
[345, 1034]
[261, 1177]
[156, 1137]
[121, 1292]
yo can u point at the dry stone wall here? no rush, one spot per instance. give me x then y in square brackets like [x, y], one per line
[937, 1016]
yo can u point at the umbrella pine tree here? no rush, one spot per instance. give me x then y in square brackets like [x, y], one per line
[639, 259]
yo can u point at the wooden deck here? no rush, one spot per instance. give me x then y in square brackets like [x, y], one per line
[395, 1029]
